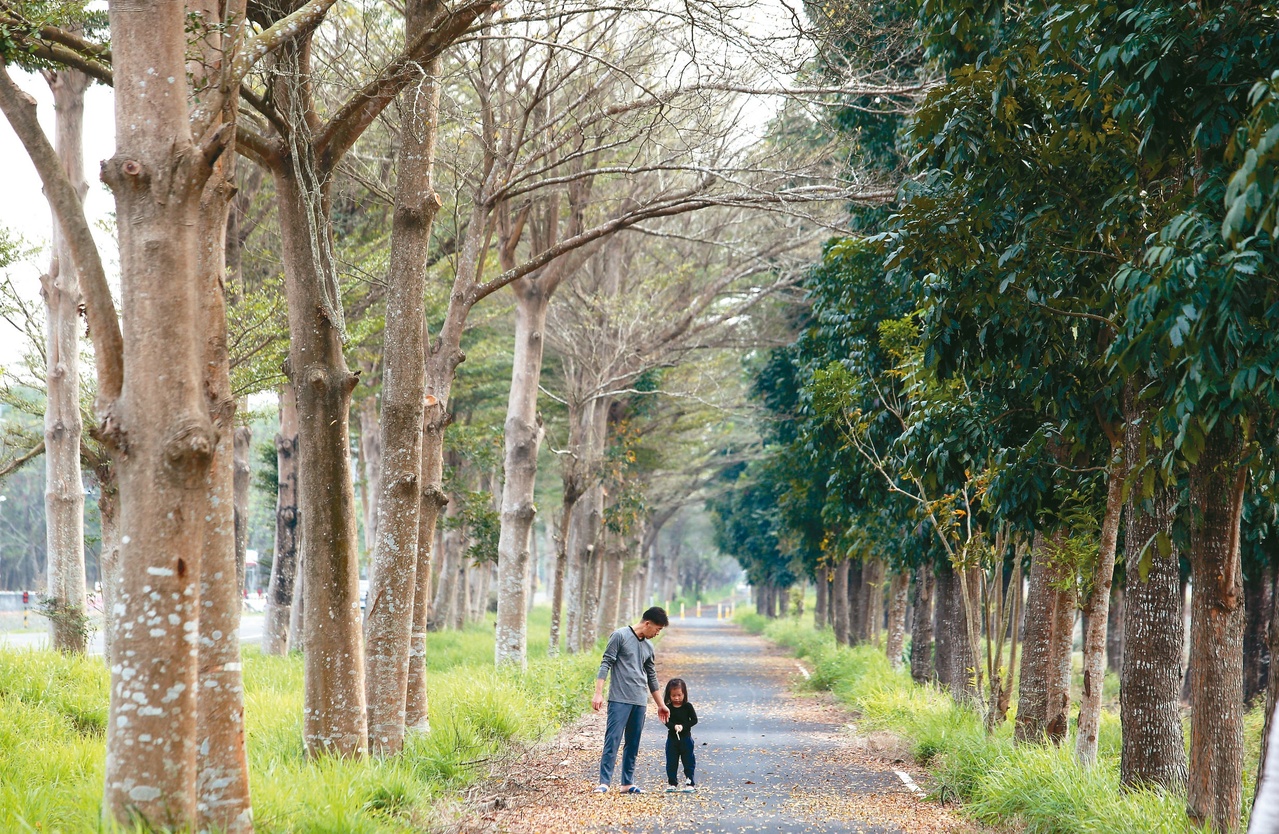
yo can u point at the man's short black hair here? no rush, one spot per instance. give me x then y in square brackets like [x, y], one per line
[657, 616]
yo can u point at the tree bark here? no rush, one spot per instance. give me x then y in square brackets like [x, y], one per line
[873, 599]
[416, 714]
[393, 480]
[943, 632]
[223, 776]
[964, 686]
[284, 562]
[899, 587]
[921, 638]
[1153, 751]
[523, 438]
[1061, 639]
[243, 442]
[157, 177]
[1258, 604]
[1266, 776]
[586, 424]
[64, 485]
[371, 440]
[839, 598]
[1217, 484]
[821, 607]
[1115, 630]
[447, 592]
[1097, 610]
[1034, 698]
[108, 517]
[857, 614]
[335, 714]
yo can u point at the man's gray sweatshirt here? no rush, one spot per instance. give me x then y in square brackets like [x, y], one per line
[630, 659]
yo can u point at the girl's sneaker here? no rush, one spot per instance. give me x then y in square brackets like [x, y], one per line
[672, 788]
[690, 787]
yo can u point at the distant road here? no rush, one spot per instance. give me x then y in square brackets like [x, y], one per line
[250, 632]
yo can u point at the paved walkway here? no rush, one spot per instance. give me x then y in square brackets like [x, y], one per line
[769, 760]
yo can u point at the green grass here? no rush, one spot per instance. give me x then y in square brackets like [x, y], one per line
[1038, 789]
[53, 714]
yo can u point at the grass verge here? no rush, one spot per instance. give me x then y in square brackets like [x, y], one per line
[1038, 789]
[53, 713]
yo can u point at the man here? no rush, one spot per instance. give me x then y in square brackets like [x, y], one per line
[629, 658]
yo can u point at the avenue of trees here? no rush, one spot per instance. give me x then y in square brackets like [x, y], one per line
[1041, 386]
[454, 243]
[961, 311]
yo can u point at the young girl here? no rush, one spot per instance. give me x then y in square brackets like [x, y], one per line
[679, 736]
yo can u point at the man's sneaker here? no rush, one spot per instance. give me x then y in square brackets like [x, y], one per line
[632, 789]
[601, 789]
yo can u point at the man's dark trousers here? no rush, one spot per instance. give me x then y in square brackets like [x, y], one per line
[624, 721]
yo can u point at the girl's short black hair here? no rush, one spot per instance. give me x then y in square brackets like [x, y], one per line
[674, 683]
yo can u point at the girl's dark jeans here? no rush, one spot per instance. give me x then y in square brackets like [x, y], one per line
[677, 749]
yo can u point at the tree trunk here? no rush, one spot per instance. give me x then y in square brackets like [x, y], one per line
[839, 597]
[1266, 775]
[964, 685]
[561, 570]
[1097, 610]
[857, 614]
[1061, 640]
[943, 632]
[157, 177]
[822, 581]
[394, 481]
[371, 440]
[898, 590]
[1258, 604]
[297, 611]
[1265, 807]
[223, 777]
[108, 517]
[612, 562]
[64, 486]
[586, 423]
[242, 471]
[334, 714]
[873, 599]
[1217, 484]
[523, 437]
[284, 562]
[416, 714]
[1115, 630]
[1041, 653]
[593, 583]
[1153, 751]
[449, 589]
[921, 637]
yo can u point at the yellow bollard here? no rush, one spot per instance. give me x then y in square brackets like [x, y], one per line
[666, 606]
[719, 611]
[699, 608]
[681, 610]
